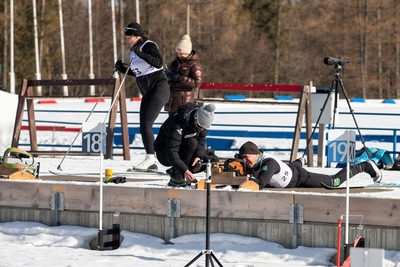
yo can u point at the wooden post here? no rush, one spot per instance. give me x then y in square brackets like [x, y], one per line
[309, 129]
[124, 122]
[298, 124]
[20, 114]
[321, 159]
[31, 119]
[303, 110]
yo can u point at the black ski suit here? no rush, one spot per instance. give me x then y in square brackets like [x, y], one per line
[146, 64]
[178, 143]
[272, 172]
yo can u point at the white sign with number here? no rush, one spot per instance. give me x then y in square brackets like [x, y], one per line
[93, 137]
[340, 145]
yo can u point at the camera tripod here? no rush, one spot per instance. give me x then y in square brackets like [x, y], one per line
[337, 84]
[208, 252]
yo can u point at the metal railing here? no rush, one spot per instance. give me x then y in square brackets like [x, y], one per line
[230, 131]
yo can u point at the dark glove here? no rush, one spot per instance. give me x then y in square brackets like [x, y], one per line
[169, 74]
[122, 67]
[116, 180]
[172, 77]
[196, 168]
[177, 78]
[119, 66]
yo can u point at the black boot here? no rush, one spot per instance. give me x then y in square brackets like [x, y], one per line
[178, 181]
[370, 167]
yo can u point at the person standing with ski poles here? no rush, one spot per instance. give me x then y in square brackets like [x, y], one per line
[147, 65]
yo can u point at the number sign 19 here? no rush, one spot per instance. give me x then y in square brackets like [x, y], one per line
[342, 145]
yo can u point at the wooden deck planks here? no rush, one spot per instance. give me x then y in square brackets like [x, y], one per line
[271, 204]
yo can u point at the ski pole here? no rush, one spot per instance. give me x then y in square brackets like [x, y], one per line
[91, 112]
[116, 94]
[87, 118]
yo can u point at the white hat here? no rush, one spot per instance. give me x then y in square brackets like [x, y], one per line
[184, 46]
[205, 116]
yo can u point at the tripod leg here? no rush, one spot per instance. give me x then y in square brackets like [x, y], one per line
[352, 114]
[215, 258]
[207, 251]
[195, 258]
[336, 99]
[209, 260]
[334, 84]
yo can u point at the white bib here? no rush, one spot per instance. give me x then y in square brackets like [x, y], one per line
[281, 179]
[139, 66]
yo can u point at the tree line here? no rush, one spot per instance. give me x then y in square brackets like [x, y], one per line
[243, 41]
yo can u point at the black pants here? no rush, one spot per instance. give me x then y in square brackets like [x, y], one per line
[150, 107]
[186, 153]
[303, 178]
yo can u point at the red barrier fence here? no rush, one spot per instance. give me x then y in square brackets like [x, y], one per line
[53, 128]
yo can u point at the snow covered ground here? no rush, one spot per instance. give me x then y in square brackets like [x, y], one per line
[33, 244]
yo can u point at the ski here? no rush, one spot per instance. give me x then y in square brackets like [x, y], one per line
[329, 187]
[133, 170]
[384, 185]
[380, 185]
[127, 173]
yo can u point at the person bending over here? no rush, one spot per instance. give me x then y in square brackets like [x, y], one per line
[269, 171]
[181, 142]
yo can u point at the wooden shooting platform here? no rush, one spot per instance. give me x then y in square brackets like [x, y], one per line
[221, 178]
[7, 171]
[15, 174]
[263, 214]
[224, 178]
[157, 210]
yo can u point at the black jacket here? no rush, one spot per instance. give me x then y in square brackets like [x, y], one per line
[172, 133]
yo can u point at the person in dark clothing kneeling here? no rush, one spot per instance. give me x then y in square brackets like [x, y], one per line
[181, 142]
[269, 171]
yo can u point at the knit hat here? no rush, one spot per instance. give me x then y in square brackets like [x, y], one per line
[205, 116]
[249, 148]
[134, 29]
[184, 46]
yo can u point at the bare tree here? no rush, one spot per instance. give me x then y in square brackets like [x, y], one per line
[362, 35]
[248, 41]
[397, 50]
[4, 20]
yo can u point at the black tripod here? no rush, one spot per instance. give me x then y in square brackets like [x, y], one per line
[336, 83]
[208, 252]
